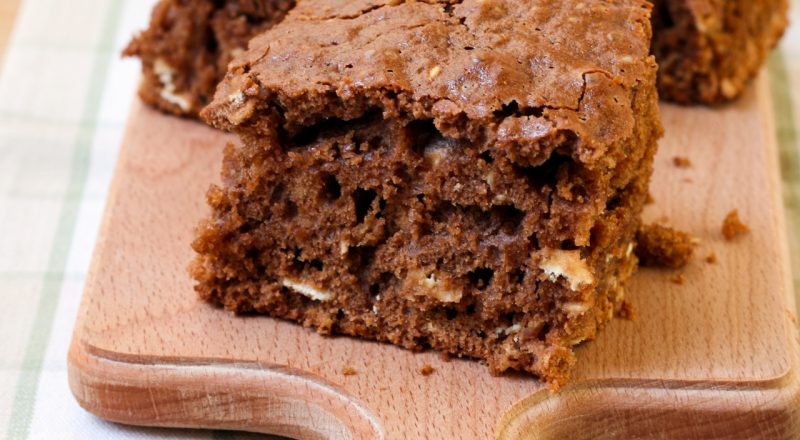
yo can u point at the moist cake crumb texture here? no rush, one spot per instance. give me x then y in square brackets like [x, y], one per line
[426, 370]
[709, 50]
[663, 246]
[463, 176]
[626, 311]
[186, 49]
[733, 226]
[681, 162]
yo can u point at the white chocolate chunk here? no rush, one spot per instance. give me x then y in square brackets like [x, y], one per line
[307, 290]
[434, 155]
[567, 264]
[166, 76]
[577, 340]
[164, 72]
[236, 98]
[576, 308]
[431, 286]
[489, 178]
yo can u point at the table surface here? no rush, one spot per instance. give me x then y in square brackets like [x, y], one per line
[64, 99]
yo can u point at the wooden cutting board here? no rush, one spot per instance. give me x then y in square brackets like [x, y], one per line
[714, 357]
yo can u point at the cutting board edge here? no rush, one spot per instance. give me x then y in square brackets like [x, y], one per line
[217, 395]
[649, 408]
[676, 413]
[186, 390]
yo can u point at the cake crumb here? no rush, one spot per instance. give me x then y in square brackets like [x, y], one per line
[792, 317]
[711, 258]
[678, 279]
[733, 227]
[445, 356]
[681, 162]
[426, 370]
[349, 371]
[663, 246]
[650, 199]
[626, 311]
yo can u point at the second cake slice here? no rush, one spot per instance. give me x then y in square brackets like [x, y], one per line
[464, 176]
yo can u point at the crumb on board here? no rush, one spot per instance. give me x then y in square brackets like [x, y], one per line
[426, 370]
[663, 246]
[626, 311]
[733, 227]
[349, 371]
[678, 278]
[792, 317]
[445, 356]
[681, 162]
[711, 258]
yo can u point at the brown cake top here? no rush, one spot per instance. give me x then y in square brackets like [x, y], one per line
[518, 71]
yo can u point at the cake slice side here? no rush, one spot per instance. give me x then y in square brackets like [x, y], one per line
[187, 46]
[480, 227]
[709, 50]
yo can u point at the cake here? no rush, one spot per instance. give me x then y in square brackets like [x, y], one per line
[708, 50]
[463, 176]
[662, 246]
[187, 47]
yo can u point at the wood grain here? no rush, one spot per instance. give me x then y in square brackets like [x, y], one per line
[715, 357]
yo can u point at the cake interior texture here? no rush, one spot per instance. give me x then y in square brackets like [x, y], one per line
[709, 50]
[188, 44]
[433, 176]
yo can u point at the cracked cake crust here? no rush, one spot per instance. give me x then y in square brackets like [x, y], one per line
[708, 50]
[431, 175]
[541, 72]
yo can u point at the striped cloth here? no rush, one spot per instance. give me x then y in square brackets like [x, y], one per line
[64, 98]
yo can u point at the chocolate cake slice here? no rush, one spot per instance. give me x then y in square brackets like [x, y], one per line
[462, 176]
[187, 47]
[709, 50]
